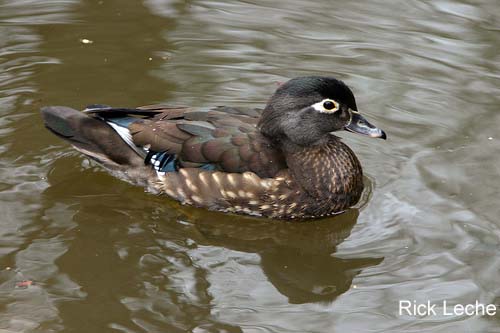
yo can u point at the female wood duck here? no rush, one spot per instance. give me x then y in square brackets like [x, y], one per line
[281, 162]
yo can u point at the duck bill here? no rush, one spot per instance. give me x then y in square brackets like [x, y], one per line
[360, 125]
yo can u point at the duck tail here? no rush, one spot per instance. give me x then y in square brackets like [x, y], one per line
[93, 137]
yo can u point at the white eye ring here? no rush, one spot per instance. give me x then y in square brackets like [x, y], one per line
[322, 106]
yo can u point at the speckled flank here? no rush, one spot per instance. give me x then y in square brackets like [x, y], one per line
[244, 193]
[325, 181]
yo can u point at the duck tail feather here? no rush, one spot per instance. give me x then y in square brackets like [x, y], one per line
[91, 136]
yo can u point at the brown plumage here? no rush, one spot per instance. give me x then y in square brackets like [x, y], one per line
[323, 181]
[280, 162]
[222, 136]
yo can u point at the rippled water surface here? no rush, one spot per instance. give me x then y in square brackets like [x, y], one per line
[106, 257]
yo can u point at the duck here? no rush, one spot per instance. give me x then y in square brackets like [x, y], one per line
[284, 161]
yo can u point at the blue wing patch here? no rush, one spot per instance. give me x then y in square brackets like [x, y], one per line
[163, 162]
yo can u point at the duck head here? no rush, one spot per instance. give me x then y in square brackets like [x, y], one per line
[305, 110]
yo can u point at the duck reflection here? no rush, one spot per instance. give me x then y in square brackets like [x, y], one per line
[297, 258]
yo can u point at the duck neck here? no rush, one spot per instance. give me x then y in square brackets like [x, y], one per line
[327, 171]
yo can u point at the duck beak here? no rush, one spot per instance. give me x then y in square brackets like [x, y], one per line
[358, 124]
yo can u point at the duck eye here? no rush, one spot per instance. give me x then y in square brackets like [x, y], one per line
[328, 105]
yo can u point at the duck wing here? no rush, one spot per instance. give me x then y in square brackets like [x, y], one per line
[223, 138]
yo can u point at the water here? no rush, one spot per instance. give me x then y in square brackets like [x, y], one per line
[106, 257]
